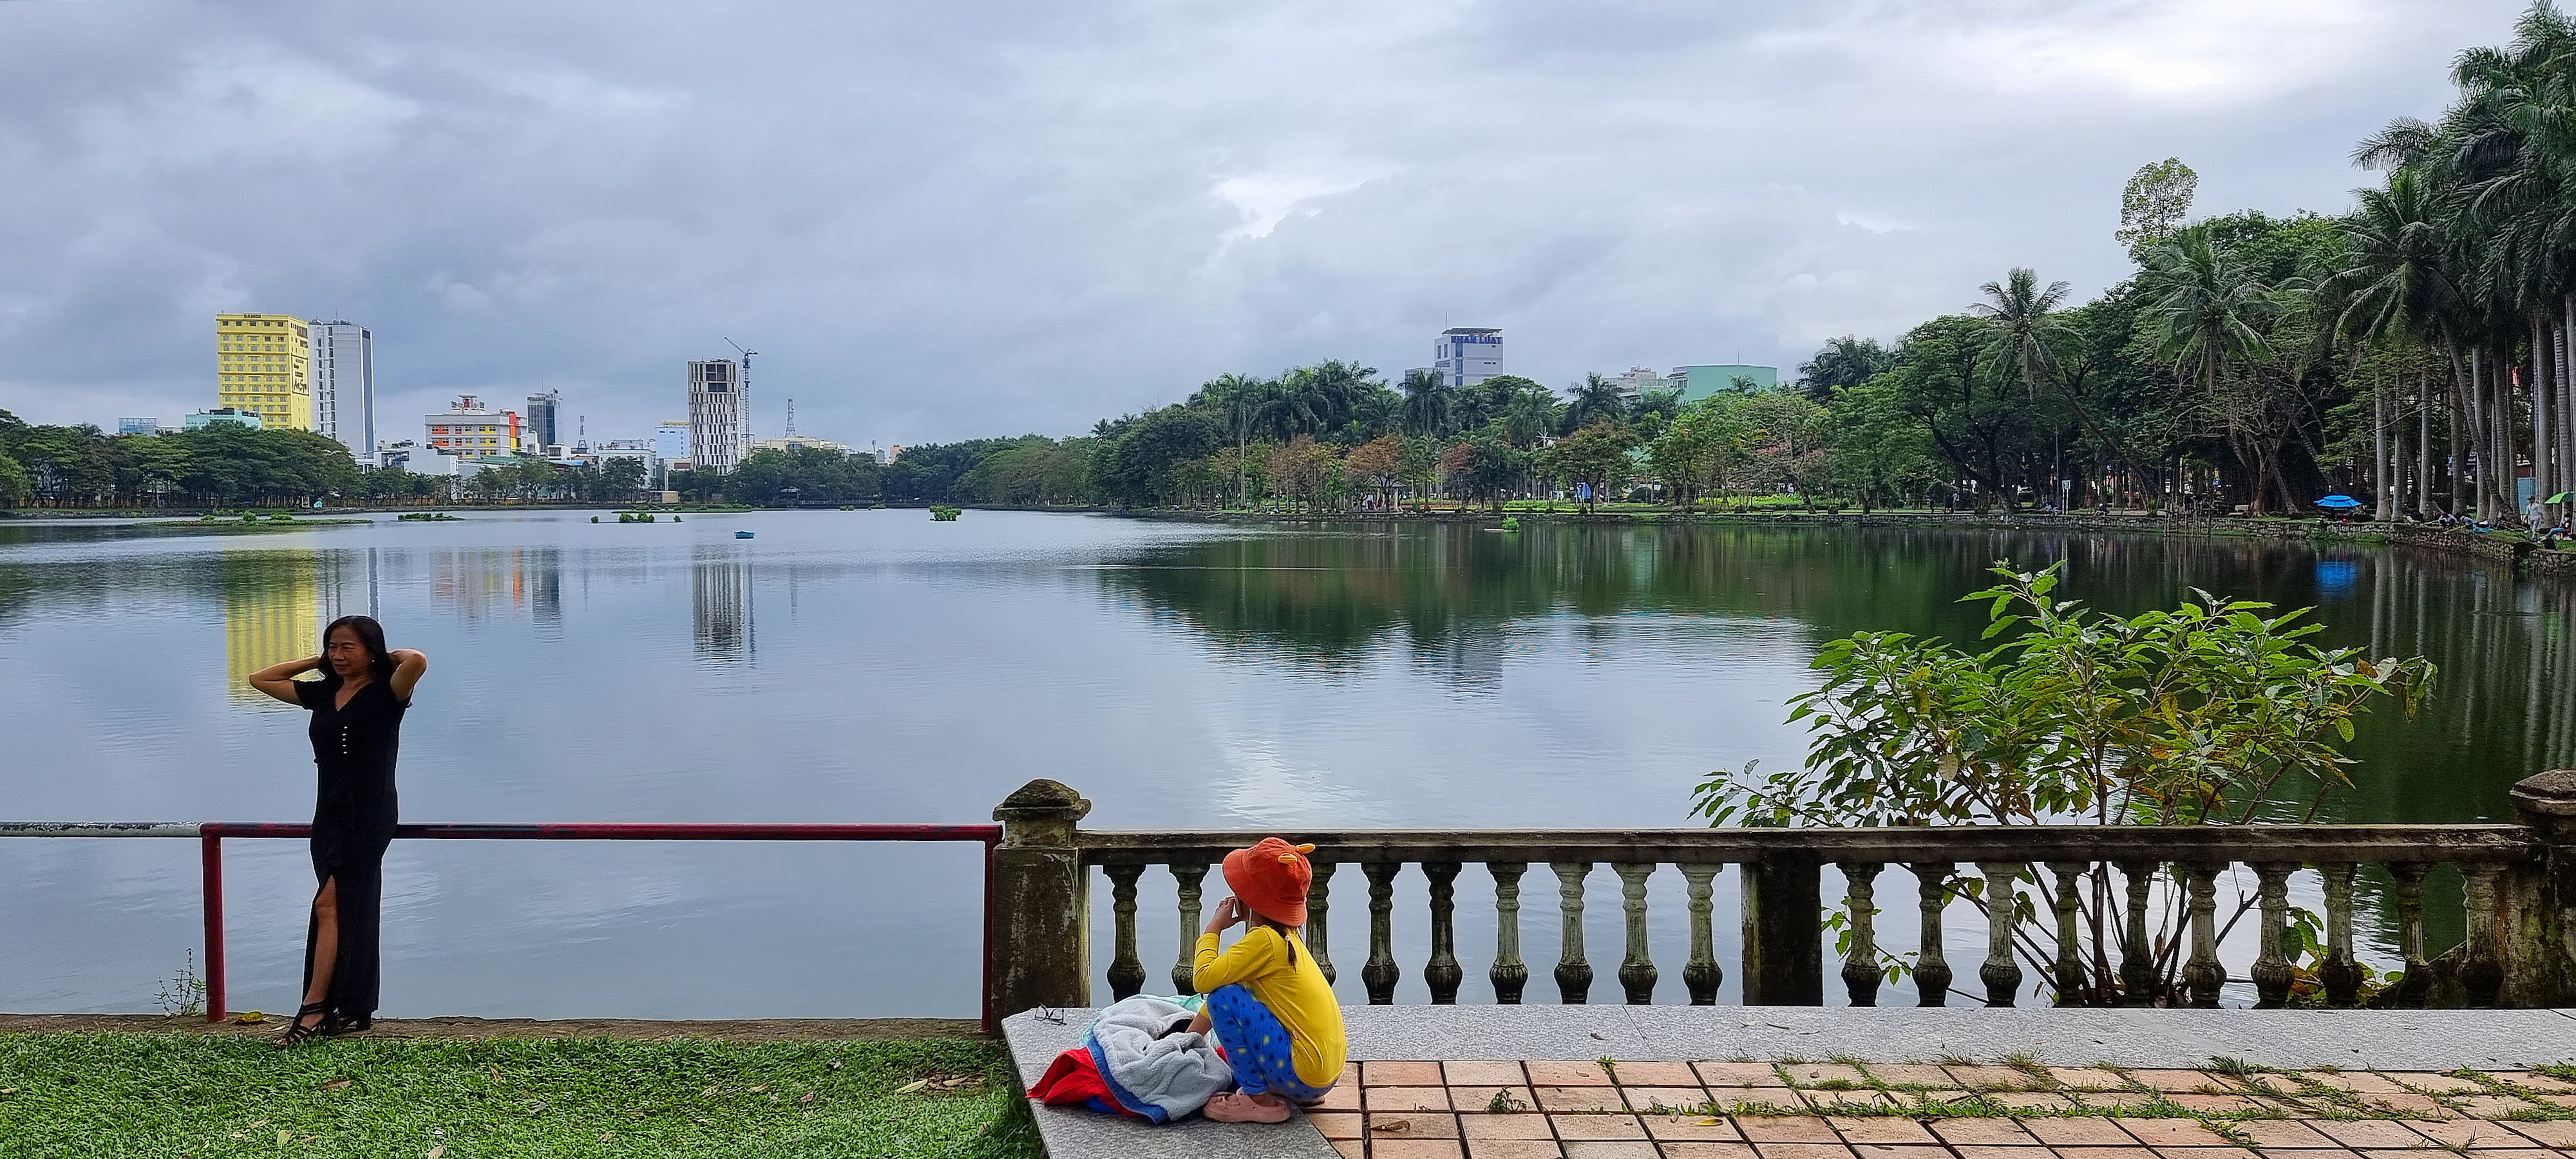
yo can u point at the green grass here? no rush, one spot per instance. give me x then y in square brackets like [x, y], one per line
[154, 1095]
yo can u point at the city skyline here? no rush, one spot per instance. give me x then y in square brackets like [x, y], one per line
[1021, 261]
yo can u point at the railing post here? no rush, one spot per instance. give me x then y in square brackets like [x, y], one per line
[2539, 905]
[1041, 897]
[210, 848]
[1784, 931]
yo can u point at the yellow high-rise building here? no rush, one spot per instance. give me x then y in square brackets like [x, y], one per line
[264, 365]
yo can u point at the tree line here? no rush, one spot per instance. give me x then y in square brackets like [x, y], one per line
[2413, 352]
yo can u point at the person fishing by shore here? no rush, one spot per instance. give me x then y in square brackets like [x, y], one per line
[356, 729]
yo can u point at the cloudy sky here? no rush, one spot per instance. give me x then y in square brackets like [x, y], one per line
[947, 220]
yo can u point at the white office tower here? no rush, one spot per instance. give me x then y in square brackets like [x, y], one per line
[716, 435]
[344, 385]
[1467, 355]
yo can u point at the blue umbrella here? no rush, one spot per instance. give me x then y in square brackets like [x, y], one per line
[2338, 501]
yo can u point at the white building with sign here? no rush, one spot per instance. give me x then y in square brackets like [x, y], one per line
[1467, 355]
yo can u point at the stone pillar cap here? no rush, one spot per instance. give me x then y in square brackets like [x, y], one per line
[2550, 794]
[1043, 800]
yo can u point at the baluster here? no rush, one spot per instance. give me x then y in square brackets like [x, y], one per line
[2203, 973]
[2138, 958]
[1509, 974]
[2410, 933]
[1931, 962]
[1380, 972]
[1187, 967]
[2271, 970]
[1442, 973]
[1573, 973]
[1701, 974]
[1637, 971]
[2000, 973]
[2340, 973]
[2482, 975]
[1126, 970]
[2070, 953]
[1318, 903]
[1860, 908]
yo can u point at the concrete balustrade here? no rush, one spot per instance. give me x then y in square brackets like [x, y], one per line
[2518, 887]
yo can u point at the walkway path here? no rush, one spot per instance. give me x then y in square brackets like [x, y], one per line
[1619, 1082]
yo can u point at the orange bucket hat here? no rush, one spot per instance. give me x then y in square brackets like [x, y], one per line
[1271, 878]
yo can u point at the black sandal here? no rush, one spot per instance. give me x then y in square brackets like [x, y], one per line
[334, 1025]
[297, 1032]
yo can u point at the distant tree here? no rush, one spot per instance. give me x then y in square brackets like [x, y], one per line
[622, 478]
[1595, 458]
[1377, 463]
[1595, 399]
[2154, 204]
[1844, 362]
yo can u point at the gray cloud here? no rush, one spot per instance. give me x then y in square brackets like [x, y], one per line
[942, 221]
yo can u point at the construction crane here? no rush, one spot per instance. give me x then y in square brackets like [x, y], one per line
[742, 434]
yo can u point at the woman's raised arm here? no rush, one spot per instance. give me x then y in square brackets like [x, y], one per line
[409, 665]
[278, 679]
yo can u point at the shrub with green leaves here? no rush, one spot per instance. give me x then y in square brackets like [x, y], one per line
[2214, 712]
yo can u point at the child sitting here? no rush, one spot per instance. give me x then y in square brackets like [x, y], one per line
[1269, 1003]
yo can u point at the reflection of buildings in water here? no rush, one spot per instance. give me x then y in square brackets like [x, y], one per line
[272, 612]
[720, 607]
[501, 581]
[1468, 656]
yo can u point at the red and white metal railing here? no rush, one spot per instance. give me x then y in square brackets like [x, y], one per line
[211, 834]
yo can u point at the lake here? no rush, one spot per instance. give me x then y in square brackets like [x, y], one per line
[878, 666]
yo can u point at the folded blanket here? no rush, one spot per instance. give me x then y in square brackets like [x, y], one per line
[1150, 1062]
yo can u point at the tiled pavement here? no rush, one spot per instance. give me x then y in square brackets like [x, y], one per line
[1804, 1110]
[2077, 1084]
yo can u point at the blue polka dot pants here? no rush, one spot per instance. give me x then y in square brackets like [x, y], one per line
[1260, 1050]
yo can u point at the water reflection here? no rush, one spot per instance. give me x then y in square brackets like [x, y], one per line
[507, 583]
[272, 613]
[1180, 676]
[720, 606]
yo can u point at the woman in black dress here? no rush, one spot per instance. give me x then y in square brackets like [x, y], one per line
[357, 709]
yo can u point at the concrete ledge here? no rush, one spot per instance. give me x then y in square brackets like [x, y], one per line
[1037, 1036]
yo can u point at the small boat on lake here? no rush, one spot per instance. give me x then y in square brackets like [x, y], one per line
[742, 535]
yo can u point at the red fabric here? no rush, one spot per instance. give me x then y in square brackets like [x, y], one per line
[1271, 878]
[1071, 1078]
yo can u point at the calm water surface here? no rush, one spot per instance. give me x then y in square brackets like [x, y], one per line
[876, 666]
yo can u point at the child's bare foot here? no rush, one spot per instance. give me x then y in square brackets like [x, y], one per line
[1238, 1107]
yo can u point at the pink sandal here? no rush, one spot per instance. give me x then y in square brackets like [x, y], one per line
[1238, 1107]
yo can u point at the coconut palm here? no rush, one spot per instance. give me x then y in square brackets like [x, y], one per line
[1595, 399]
[2203, 314]
[2397, 283]
[1427, 403]
[1843, 363]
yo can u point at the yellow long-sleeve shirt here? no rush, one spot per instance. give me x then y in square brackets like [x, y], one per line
[1294, 989]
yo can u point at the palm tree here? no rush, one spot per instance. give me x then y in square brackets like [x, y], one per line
[2026, 331]
[1596, 399]
[2025, 338]
[1427, 403]
[2203, 314]
[2397, 283]
[1237, 400]
[1529, 417]
[1843, 363]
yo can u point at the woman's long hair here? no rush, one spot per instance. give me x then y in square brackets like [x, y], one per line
[371, 636]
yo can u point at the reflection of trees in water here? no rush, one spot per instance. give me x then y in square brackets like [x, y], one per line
[720, 605]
